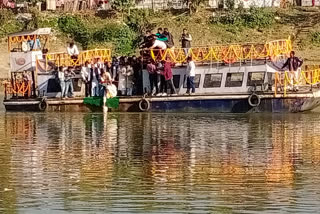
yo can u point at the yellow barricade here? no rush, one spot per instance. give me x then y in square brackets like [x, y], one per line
[63, 59]
[226, 53]
[311, 77]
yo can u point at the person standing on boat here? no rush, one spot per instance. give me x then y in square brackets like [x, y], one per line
[160, 79]
[191, 73]
[129, 78]
[94, 81]
[73, 51]
[167, 73]
[137, 76]
[62, 83]
[152, 70]
[68, 74]
[122, 77]
[293, 63]
[186, 41]
[85, 75]
[170, 42]
[115, 68]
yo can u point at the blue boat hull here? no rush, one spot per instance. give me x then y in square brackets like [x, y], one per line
[223, 105]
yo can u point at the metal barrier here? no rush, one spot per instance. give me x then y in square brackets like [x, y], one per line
[302, 78]
[225, 53]
[65, 60]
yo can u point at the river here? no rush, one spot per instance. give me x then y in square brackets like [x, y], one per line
[159, 163]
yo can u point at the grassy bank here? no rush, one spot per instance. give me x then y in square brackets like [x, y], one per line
[122, 33]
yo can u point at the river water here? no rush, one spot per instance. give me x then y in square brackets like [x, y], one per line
[159, 163]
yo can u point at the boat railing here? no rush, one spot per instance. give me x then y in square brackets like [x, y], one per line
[63, 59]
[286, 79]
[18, 88]
[225, 53]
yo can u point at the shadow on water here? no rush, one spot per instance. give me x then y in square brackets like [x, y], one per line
[156, 163]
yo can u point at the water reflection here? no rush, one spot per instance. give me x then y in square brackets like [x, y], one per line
[159, 163]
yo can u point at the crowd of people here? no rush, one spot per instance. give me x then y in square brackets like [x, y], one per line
[161, 77]
[124, 77]
[124, 73]
[163, 39]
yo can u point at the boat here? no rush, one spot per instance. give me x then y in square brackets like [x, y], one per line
[233, 78]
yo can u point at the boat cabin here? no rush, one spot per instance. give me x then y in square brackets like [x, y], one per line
[33, 69]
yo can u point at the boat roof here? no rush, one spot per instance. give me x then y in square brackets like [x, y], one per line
[39, 31]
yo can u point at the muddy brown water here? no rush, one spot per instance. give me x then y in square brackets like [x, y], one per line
[159, 163]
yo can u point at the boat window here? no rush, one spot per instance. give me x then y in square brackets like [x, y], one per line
[234, 79]
[212, 81]
[176, 81]
[53, 86]
[271, 78]
[255, 78]
[196, 81]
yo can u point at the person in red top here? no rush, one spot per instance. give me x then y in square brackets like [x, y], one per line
[167, 73]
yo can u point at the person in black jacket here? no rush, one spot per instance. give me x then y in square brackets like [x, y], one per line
[293, 63]
[170, 42]
[186, 41]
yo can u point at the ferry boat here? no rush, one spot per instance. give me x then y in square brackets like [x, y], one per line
[229, 78]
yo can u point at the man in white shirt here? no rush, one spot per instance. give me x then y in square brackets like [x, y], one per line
[73, 51]
[159, 44]
[191, 73]
[85, 75]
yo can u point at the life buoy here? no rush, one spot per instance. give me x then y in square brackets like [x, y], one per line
[144, 105]
[43, 105]
[254, 97]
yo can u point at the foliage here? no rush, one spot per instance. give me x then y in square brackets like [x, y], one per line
[230, 4]
[74, 27]
[8, 22]
[315, 37]
[121, 36]
[121, 5]
[254, 18]
[258, 17]
[139, 20]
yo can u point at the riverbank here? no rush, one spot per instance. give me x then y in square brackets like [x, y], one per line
[123, 33]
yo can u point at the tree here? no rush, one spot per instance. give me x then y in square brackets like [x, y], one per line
[122, 5]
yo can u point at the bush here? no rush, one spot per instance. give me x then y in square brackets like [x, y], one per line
[138, 20]
[315, 37]
[254, 18]
[74, 27]
[230, 4]
[258, 18]
[121, 36]
[9, 23]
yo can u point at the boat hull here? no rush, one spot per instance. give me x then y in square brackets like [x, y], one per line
[224, 105]
[176, 104]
